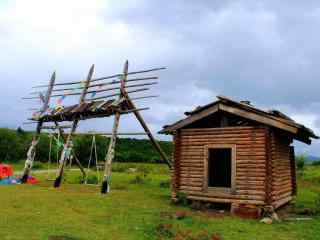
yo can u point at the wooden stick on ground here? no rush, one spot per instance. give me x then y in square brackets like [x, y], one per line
[32, 150]
[68, 143]
[105, 188]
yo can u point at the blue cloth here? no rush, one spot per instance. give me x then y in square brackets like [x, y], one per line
[9, 181]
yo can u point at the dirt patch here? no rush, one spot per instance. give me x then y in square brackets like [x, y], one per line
[62, 238]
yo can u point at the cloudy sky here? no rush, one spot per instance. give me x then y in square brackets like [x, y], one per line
[263, 51]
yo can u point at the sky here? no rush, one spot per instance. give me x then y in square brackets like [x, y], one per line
[263, 51]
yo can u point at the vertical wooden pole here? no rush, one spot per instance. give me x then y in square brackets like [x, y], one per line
[105, 188]
[32, 150]
[68, 143]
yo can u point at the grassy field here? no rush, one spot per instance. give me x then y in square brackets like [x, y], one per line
[135, 209]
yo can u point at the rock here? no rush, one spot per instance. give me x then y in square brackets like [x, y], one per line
[180, 215]
[266, 220]
[216, 237]
[274, 216]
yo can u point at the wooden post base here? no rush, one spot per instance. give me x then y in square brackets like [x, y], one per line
[57, 182]
[24, 178]
[105, 187]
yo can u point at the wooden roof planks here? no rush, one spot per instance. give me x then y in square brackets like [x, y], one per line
[272, 118]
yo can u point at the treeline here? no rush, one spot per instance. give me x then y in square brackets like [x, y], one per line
[14, 145]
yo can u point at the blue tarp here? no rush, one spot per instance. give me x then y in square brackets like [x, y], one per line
[9, 181]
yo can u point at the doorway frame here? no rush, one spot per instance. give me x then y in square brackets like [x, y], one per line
[206, 187]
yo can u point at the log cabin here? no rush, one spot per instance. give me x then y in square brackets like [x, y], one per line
[234, 153]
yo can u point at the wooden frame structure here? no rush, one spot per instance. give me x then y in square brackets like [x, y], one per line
[263, 172]
[90, 108]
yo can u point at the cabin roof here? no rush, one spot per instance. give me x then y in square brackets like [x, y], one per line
[273, 118]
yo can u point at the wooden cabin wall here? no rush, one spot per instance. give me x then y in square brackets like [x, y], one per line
[282, 189]
[189, 160]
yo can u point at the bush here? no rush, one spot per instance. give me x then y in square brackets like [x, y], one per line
[182, 199]
[317, 204]
[300, 161]
[165, 184]
[139, 179]
[92, 179]
[316, 163]
[14, 145]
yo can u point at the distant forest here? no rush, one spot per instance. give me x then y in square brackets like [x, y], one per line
[14, 145]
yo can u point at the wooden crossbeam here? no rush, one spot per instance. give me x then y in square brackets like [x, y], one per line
[101, 84]
[101, 90]
[118, 94]
[110, 133]
[103, 78]
[56, 127]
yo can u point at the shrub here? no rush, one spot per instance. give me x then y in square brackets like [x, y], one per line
[182, 199]
[316, 163]
[164, 231]
[165, 184]
[139, 179]
[14, 145]
[300, 162]
[92, 179]
[317, 204]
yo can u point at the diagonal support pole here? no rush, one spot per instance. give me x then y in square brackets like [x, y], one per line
[148, 132]
[68, 142]
[32, 150]
[105, 188]
[62, 134]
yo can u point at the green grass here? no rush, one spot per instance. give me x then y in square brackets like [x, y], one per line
[133, 211]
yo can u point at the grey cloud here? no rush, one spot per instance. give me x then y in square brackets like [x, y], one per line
[264, 51]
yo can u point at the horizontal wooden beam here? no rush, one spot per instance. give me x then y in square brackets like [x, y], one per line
[56, 127]
[109, 133]
[106, 90]
[144, 97]
[256, 117]
[31, 122]
[96, 98]
[103, 78]
[190, 119]
[117, 94]
[98, 85]
[134, 110]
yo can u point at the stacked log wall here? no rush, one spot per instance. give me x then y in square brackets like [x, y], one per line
[282, 189]
[250, 163]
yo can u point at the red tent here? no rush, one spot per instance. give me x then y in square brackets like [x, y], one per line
[5, 171]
